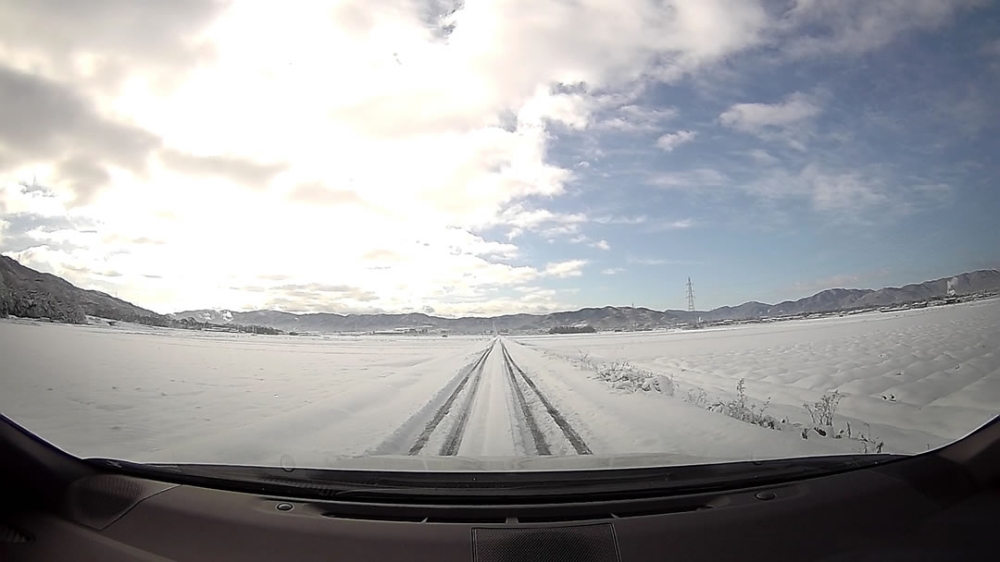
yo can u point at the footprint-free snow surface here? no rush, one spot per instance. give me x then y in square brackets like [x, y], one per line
[906, 381]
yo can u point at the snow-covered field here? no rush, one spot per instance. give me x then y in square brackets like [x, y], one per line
[919, 378]
[910, 380]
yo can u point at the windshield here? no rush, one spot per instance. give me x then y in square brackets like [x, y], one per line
[447, 235]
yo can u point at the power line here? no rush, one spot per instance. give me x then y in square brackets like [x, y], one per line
[690, 296]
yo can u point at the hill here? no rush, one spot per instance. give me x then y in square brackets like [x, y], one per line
[609, 317]
[28, 293]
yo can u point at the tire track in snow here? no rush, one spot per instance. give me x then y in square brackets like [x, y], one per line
[571, 435]
[474, 373]
[541, 446]
[454, 439]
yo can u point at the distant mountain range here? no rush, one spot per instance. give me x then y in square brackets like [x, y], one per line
[28, 293]
[608, 317]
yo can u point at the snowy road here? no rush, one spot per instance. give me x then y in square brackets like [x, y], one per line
[543, 445]
[492, 428]
[491, 409]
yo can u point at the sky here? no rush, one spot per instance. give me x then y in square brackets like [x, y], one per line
[497, 156]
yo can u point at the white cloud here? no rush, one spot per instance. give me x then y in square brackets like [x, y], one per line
[621, 219]
[699, 177]
[547, 222]
[612, 271]
[527, 289]
[647, 261]
[857, 26]
[540, 302]
[841, 192]
[571, 110]
[758, 117]
[861, 194]
[754, 117]
[568, 268]
[762, 156]
[825, 190]
[788, 121]
[670, 141]
[854, 195]
[681, 224]
[245, 158]
[636, 119]
[584, 239]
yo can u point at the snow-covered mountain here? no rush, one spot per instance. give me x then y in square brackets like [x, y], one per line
[608, 317]
[206, 315]
[26, 292]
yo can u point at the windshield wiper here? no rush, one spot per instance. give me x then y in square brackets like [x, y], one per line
[505, 487]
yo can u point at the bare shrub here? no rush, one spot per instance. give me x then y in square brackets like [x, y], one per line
[622, 375]
[869, 443]
[744, 409]
[614, 372]
[823, 411]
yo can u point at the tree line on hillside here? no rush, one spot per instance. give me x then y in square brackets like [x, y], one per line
[572, 330]
[40, 305]
[192, 324]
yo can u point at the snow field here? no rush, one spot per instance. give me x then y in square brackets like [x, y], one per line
[626, 423]
[914, 380]
[170, 397]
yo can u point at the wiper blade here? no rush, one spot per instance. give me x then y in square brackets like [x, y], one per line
[381, 486]
[634, 482]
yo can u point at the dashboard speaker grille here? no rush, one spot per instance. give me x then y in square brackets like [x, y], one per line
[98, 501]
[589, 543]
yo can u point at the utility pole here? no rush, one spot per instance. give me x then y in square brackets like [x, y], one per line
[690, 296]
